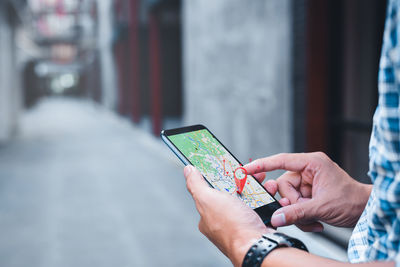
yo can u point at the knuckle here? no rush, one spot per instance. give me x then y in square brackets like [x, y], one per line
[189, 183]
[189, 188]
[279, 160]
[257, 162]
[201, 226]
[280, 181]
[261, 161]
[282, 155]
[299, 213]
[283, 179]
[320, 155]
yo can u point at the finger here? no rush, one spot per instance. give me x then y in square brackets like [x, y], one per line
[286, 161]
[311, 227]
[260, 176]
[284, 202]
[294, 214]
[288, 185]
[194, 180]
[271, 186]
[305, 188]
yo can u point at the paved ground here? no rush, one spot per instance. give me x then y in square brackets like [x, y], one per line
[80, 187]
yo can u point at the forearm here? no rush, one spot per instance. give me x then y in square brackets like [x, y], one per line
[283, 257]
[288, 257]
[294, 257]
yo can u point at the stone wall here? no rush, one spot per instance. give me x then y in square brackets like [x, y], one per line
[107, 65]
[10, 95]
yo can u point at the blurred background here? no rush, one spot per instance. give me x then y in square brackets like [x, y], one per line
[87, 85]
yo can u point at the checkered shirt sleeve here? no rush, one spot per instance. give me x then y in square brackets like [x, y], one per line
[376, 236]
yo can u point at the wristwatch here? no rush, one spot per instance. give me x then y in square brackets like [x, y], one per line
[268, 242]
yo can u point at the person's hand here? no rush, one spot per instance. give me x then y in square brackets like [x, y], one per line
[314, 189]
[225, 220]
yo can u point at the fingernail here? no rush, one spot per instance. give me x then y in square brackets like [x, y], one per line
[278, 220]
[187, 170]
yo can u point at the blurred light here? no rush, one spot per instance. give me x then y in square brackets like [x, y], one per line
[67, 80]
[61, 83]
[56, 86]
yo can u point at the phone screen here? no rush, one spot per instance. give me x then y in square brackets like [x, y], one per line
[219, 167]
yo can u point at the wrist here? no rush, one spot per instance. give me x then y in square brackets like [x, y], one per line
[362, 194]
[242, 244]
[360, 198]
[261, 249]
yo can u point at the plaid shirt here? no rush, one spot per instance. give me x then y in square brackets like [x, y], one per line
[377, 233]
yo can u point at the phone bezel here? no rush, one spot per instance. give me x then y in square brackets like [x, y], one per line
[265, 212]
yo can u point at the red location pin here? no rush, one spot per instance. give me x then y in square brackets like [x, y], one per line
[240, 175]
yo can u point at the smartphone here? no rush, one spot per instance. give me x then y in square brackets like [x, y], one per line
[197, 146]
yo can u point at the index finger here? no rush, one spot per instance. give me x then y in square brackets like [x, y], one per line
[295, 162]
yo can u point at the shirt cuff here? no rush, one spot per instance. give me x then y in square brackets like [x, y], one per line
[397, 260]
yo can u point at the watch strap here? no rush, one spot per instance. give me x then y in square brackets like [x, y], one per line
[258, 252]
[266, 244]
[294, 242]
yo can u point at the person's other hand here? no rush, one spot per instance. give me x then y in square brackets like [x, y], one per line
[313, 189]
[225, 220]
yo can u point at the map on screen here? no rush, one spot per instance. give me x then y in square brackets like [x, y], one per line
[217, 165]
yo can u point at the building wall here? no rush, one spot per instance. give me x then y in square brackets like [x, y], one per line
[237, 81]
[10, 95]
[237, 73]
[104, 35]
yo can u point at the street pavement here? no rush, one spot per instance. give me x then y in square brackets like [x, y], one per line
[80, 186]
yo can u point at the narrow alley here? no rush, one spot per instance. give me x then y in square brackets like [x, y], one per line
[83, 187]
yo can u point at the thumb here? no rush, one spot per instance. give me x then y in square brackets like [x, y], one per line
[293, 214]
[194, 180]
